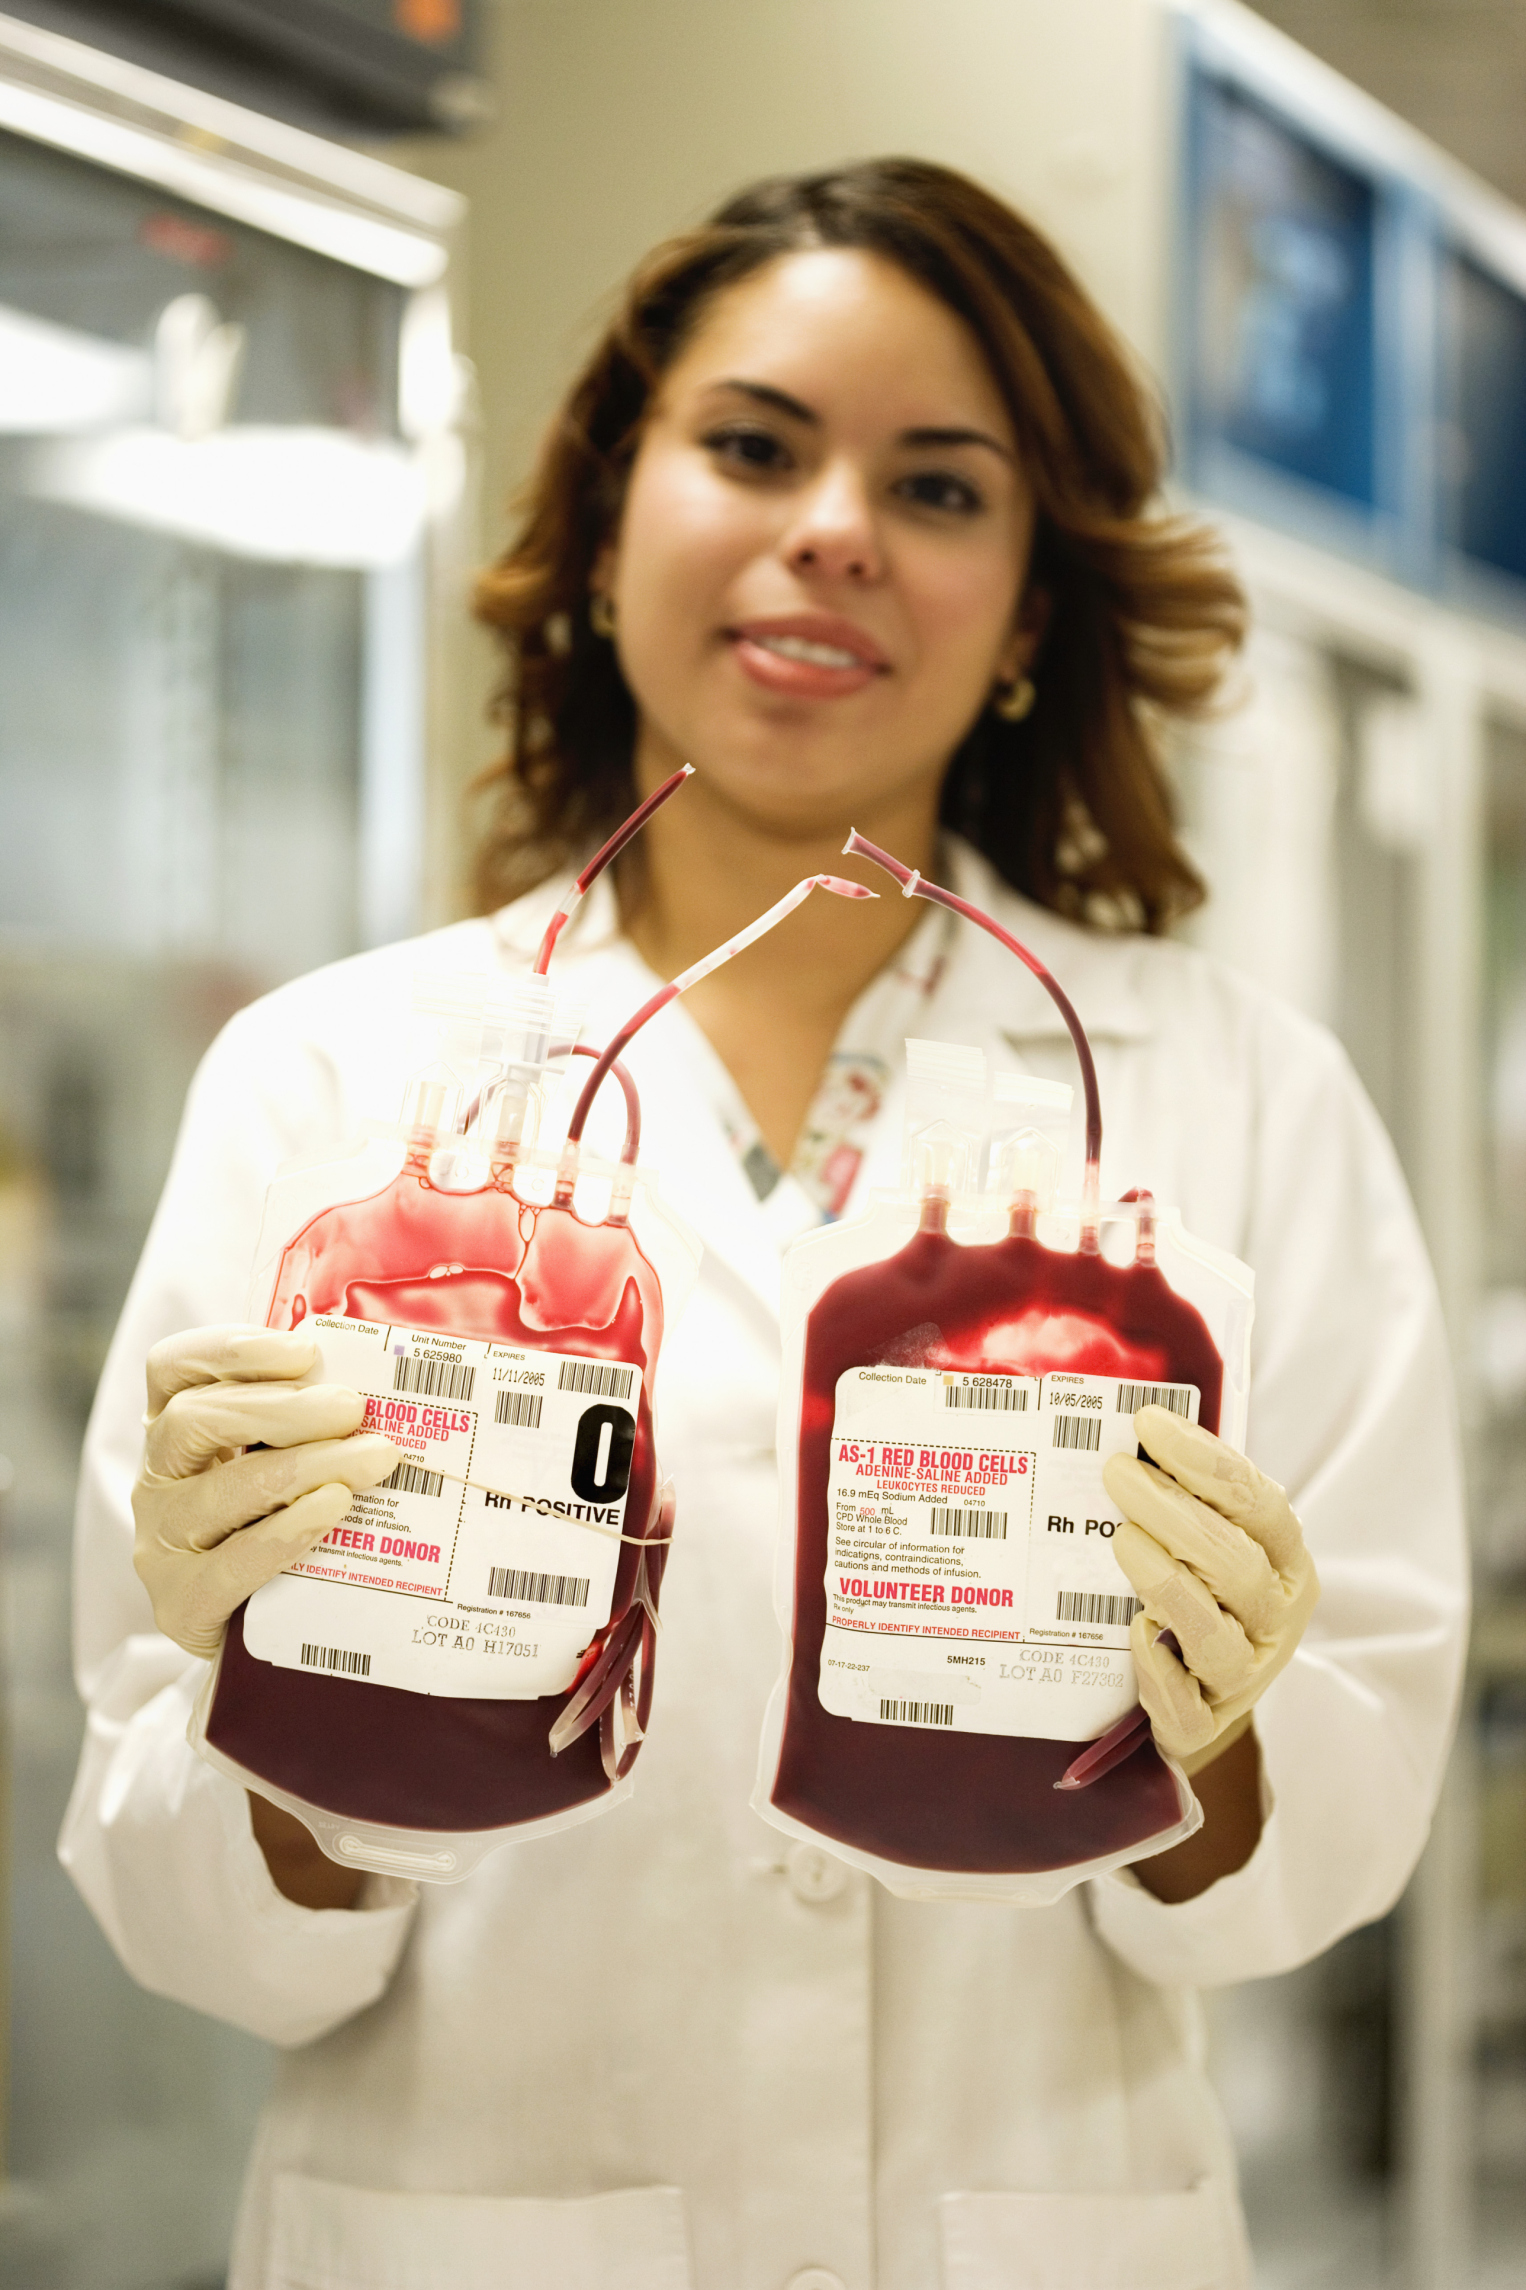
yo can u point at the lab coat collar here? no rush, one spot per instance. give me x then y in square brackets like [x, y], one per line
[987, 989]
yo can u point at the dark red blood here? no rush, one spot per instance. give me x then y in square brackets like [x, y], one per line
[476, 1264]
[982, 1803]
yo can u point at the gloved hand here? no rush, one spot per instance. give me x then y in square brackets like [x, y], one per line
[1218, 1557]
[214, 1525]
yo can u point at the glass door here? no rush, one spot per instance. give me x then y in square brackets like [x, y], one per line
[215, 515]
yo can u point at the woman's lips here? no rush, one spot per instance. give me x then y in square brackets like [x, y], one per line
[816, 659]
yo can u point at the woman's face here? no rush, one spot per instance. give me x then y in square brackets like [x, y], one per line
[819, 569]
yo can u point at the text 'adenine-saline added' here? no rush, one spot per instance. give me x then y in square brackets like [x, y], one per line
[489, 1590]
[970, 1578]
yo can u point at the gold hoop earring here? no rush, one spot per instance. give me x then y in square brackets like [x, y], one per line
[1015, 700]
[601, 615]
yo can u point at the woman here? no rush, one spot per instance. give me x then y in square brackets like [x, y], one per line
[851, 509]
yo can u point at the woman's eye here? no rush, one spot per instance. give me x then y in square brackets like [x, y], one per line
[747, 448]
[941, 489]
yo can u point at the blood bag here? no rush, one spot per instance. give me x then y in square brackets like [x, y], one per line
[469, 1656]
[957, 1711]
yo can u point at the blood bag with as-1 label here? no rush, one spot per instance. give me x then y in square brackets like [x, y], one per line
[957, 1712]
[487, 1561]
[970, 1584]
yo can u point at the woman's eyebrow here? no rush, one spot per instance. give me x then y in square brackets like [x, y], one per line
[957, 437]
[764, 393]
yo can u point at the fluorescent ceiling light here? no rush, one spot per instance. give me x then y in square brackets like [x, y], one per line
[290, 496]
[218, 155]
[55, 379]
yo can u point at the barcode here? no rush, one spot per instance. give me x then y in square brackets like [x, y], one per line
[1077, 1431]
[594, 1376]
[518, 1407]
[1174, 1396]
[413, 1479]
[436, 1379]
[336, 1658]
[542, 1589]
[976, 1525]
[916, 1713]
[1096, 1606]
[1011, 1396]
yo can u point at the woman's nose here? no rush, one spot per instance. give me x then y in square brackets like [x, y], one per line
[833, 535]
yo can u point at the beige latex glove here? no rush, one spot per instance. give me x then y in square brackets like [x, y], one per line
[214, 1525]
[1214, 1550]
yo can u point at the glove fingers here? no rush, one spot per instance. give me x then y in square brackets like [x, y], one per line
[246, 1561]
[1228, 1482]
[199, 1514]
[236, 1353]
[1214, 1647]
[1179, 1714]
[1236, 1569]
[198, 1426]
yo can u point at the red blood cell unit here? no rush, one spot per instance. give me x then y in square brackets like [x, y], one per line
[482, 1264]
[966, 1801]
[957, 1712]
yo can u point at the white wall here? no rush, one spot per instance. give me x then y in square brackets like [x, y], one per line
[623, 120]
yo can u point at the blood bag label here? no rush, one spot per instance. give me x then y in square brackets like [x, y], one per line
[484, 1565]
[970, 1578]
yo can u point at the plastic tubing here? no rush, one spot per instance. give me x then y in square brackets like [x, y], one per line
[1122, 1738]
[622, 1073]
[702, 969]
[916, 886]
[600, 860]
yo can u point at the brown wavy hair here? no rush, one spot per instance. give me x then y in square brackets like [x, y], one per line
[1070, 805]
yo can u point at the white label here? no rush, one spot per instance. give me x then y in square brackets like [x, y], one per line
[484, 1566]
[970, 1578]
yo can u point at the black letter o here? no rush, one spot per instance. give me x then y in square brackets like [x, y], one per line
[585, 1455]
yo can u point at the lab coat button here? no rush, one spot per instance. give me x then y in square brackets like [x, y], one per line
[816, 2277]
[814, 1877]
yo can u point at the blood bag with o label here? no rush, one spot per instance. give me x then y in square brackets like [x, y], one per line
[469, 1657]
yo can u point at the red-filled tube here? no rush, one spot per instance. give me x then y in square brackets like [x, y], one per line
[837, 884]
[601, 859]
[915, 885]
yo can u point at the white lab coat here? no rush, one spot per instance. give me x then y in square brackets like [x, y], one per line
[667, 2048]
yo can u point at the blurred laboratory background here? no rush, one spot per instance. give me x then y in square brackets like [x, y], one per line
[286, 294]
